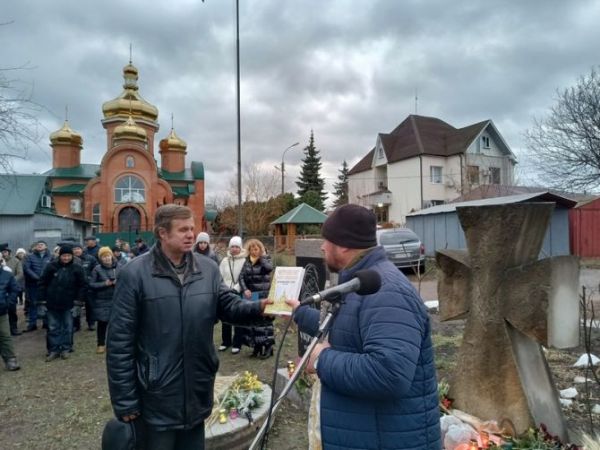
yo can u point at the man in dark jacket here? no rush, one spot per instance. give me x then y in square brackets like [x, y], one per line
[87, 262]
[91, 246]
[377, 373]
[8, 297]
[16, 267]
[62, 286]
[33, 267]
[161, 358]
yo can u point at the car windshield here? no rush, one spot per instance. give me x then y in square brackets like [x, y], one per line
[397, 237]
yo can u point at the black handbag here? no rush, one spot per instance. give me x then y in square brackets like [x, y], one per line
[119, 435]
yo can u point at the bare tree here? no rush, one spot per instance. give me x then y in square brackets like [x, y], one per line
[262, 202]
[19, 126]
[566, 143]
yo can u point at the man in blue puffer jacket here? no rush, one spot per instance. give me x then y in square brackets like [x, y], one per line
[377, 372]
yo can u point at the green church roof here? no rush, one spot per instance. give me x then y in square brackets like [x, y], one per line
[69, 189]
[82, 171]
[196, 172]
[20, 194]
[302, 213]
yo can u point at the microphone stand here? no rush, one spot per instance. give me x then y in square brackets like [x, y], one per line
[323, 329]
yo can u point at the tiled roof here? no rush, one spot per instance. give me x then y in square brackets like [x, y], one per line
[302, 213]
[420, 135]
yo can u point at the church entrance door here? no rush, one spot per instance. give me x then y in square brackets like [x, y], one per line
[129, 220]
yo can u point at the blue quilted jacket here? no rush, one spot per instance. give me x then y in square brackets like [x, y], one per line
[379, 387]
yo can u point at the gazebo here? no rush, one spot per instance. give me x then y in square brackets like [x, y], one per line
[286, 225]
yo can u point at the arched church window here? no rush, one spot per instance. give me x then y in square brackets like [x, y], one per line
[129, 162]
[130, 189]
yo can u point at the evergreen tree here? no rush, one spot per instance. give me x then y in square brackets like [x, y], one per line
[310, 179]
[341, 187]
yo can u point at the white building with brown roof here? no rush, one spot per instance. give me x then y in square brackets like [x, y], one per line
[424, 162]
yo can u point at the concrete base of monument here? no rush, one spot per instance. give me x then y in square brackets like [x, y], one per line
[238, 434]
[299, 399]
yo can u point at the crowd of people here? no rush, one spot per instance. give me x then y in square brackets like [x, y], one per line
[55, 288]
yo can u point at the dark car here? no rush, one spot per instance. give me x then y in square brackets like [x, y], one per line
[403, 247]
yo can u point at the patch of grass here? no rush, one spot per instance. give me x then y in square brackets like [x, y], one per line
[444, 340]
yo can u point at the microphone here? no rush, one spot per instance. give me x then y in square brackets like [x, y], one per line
[365, 282]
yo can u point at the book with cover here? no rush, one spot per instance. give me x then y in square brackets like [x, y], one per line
[286, 284]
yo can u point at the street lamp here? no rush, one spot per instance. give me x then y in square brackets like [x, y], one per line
[283, 167]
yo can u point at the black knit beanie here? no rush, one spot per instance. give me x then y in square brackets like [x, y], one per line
[65, 248]
[351, 226]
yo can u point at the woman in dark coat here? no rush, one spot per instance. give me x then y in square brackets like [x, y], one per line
[102, 286]
[255, 281]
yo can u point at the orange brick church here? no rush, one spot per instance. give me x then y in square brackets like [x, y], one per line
[122, 192]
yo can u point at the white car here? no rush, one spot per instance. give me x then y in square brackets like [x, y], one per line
[403, 247]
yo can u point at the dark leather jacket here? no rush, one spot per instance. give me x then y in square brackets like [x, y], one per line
[256, 277]
[161, 355]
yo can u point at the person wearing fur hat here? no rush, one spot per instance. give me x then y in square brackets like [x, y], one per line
[62, 286]
[202, 246]
[102, 286]
[230, 269]
[378, 386]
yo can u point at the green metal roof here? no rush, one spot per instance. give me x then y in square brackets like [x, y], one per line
[302, 213]
[196, 172]
[82, 171]
[69, 189]
[20, 194]
[184, 191]
[210, 215]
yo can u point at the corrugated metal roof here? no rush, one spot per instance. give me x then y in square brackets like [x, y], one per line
[20, 194]
[542, 196]
[302, 213]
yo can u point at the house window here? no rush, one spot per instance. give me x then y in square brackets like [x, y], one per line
[494, 175]
[473, 174]
[435, 174]
[130, 189]
[380, 153]
[485, 141]
[96, 216]
[129, 162]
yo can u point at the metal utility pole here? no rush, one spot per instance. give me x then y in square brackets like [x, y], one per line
[239, 134]
[283, 167]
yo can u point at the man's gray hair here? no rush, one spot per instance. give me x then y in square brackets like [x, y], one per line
[166, 214]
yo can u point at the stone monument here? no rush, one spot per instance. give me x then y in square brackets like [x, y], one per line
[512, 303]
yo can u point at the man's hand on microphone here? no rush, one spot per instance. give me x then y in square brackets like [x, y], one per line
[310, 366]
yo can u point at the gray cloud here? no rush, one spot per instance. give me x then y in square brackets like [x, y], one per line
[345, 69]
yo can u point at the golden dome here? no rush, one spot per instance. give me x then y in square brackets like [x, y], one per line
[130, 131]
[172, 142]
[130, 102]
[66, 136]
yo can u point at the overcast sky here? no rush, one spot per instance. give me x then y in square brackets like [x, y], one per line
[347, 69]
